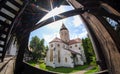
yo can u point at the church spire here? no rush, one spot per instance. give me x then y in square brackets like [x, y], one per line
[63, 27]
[64, 34]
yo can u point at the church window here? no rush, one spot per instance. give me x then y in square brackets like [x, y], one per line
[76, 45]
[65, 59]
[70, 46]
[51, 45]
[59, 56]
[51, 55]
[58, 45]
[54, 49]
[65, 33]
[76, 59]
[79, 48]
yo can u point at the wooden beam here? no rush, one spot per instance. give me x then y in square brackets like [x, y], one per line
[64, 15]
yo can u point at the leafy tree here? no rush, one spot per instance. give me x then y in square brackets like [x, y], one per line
[88, 49]
[38, 47]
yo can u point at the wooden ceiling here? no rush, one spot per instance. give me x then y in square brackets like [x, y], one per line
[37, 9]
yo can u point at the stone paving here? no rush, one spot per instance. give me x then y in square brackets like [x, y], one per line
[9, 67]
[83, 71]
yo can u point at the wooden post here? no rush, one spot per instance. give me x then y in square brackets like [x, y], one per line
[107, 43]
[107, 39]
[100, 59]
[19, 60]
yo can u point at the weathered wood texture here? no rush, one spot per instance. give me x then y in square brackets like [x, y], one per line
[106, 38]
[100, 59]
[109, 47]
[110, 9]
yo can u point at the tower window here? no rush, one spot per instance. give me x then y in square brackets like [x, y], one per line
[51, 45]
[70, 46]
[75, 45]
[58, 45]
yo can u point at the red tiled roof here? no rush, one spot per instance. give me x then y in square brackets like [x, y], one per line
[77, 40]
[56, 40]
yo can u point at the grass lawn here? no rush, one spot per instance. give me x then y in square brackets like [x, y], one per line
[65, 69]
[33, 63]
[62, 69]
[92, 71]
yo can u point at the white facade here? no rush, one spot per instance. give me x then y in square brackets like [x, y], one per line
[65, 54]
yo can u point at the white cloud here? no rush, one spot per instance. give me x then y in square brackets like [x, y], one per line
[83, 35]
[55, 25]
[84, 30]
[77, 21]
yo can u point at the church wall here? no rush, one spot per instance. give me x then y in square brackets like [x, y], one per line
[77, 47]
[47, 60]
[78, 60]
[65, 56]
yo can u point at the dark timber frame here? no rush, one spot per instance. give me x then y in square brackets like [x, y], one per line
[105, 40]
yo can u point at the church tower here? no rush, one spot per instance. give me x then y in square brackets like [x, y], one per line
[64, 33]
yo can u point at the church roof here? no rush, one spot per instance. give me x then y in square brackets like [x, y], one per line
[63, 27]
[77, 40]
[56, 39]
[74, 52]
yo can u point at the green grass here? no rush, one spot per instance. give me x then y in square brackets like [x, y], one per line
[32, 63]
[93, 70]
[62, 69]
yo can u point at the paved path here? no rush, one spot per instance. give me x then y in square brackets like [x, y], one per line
[83, 71]
[37, 66]
[9, 67]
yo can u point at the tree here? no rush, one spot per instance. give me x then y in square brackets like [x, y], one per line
[38, 47]
[88, 49]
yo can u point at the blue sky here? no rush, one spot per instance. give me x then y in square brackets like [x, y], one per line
[49, 32]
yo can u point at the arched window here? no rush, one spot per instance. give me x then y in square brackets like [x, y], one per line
[58, 45]
[59, 56]
[65, 59]
[51, 45]
[76, 45]
[76, 59]
[51, 55]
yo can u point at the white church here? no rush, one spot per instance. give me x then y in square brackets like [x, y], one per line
[64, 52]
